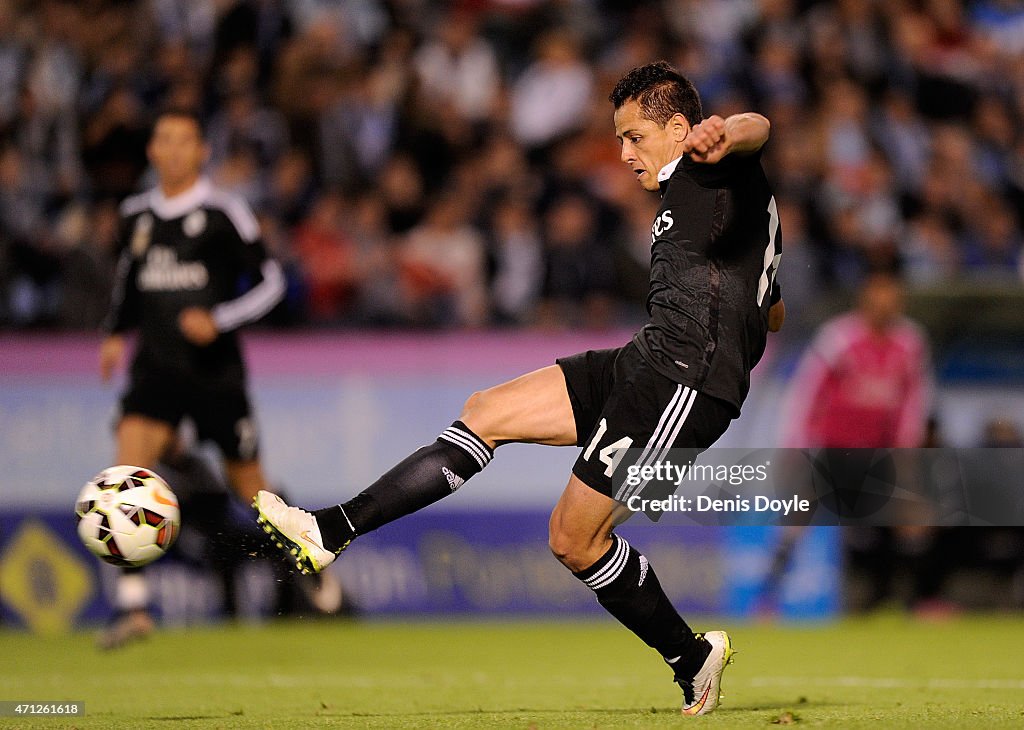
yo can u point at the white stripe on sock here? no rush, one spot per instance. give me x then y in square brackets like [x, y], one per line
[346, 519]
[614, 567]
[487, 451]
[459, 439]
[616, 557]
[463, 447]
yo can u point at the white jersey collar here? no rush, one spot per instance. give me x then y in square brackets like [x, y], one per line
[182, 203]
[667, 170]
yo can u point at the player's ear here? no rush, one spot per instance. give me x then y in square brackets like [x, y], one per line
[678, 127]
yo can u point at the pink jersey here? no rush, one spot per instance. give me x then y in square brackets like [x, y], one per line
[857, 388]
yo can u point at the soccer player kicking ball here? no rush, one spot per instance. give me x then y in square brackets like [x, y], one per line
[716, 247]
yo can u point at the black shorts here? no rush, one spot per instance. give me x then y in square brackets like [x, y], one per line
[220, 410]
[620, 402]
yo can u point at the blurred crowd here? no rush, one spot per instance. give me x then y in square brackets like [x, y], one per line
[453, 164]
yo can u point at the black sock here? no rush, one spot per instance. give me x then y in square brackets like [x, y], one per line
[629, 590]
[432, 472]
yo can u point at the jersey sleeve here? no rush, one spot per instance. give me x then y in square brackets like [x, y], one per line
[725, 170]
[255, 264]
[124, 310]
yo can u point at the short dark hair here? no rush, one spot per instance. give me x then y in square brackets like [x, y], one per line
[182, 112]
[660, 91]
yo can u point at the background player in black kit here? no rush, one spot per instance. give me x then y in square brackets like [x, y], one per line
[186, 249]
[716, 247]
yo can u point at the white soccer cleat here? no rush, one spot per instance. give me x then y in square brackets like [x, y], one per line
[295, 531]
[701, 695]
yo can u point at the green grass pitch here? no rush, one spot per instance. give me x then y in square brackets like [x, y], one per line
[881, 672]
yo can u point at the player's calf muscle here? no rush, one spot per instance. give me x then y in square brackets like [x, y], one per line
[579, 531]
[246, 478]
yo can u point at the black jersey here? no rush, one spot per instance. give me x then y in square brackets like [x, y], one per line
[716, 247]
[201, 248]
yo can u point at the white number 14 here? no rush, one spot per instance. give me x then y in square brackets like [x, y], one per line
[611, 454]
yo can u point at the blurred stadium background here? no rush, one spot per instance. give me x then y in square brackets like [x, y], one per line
[442, 184]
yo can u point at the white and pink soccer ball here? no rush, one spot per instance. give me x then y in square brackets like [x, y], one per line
[127, 516]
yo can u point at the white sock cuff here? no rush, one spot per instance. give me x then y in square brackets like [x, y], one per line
[131, 592]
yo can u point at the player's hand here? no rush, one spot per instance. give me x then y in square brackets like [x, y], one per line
[111, 354]
[776, 316]
[198, 326]
[708, 142]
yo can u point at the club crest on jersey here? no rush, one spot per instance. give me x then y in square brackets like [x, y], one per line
[163, 271]
[661, 224]
[194, 223]
[142, 234]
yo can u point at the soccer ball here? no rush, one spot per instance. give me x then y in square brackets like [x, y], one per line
[127, 516]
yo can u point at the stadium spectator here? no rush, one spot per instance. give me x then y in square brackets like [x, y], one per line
[328, 259]
[402, 189]
[245, 123]
[114, 145]
[558, 72]
[91, 242]
[580, 278]
[358, 129]
[46, 136]
[904, 137]
[379, 256]
[517, 256]
[929, 250]
[14, 55]
[992, 245]
[458, 66]
[442, 264]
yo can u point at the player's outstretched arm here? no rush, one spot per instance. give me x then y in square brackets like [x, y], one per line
[714, 138]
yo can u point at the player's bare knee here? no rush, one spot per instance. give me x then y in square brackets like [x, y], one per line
[479, 413]
[475, 403]
[564, 549]
[574, 549]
